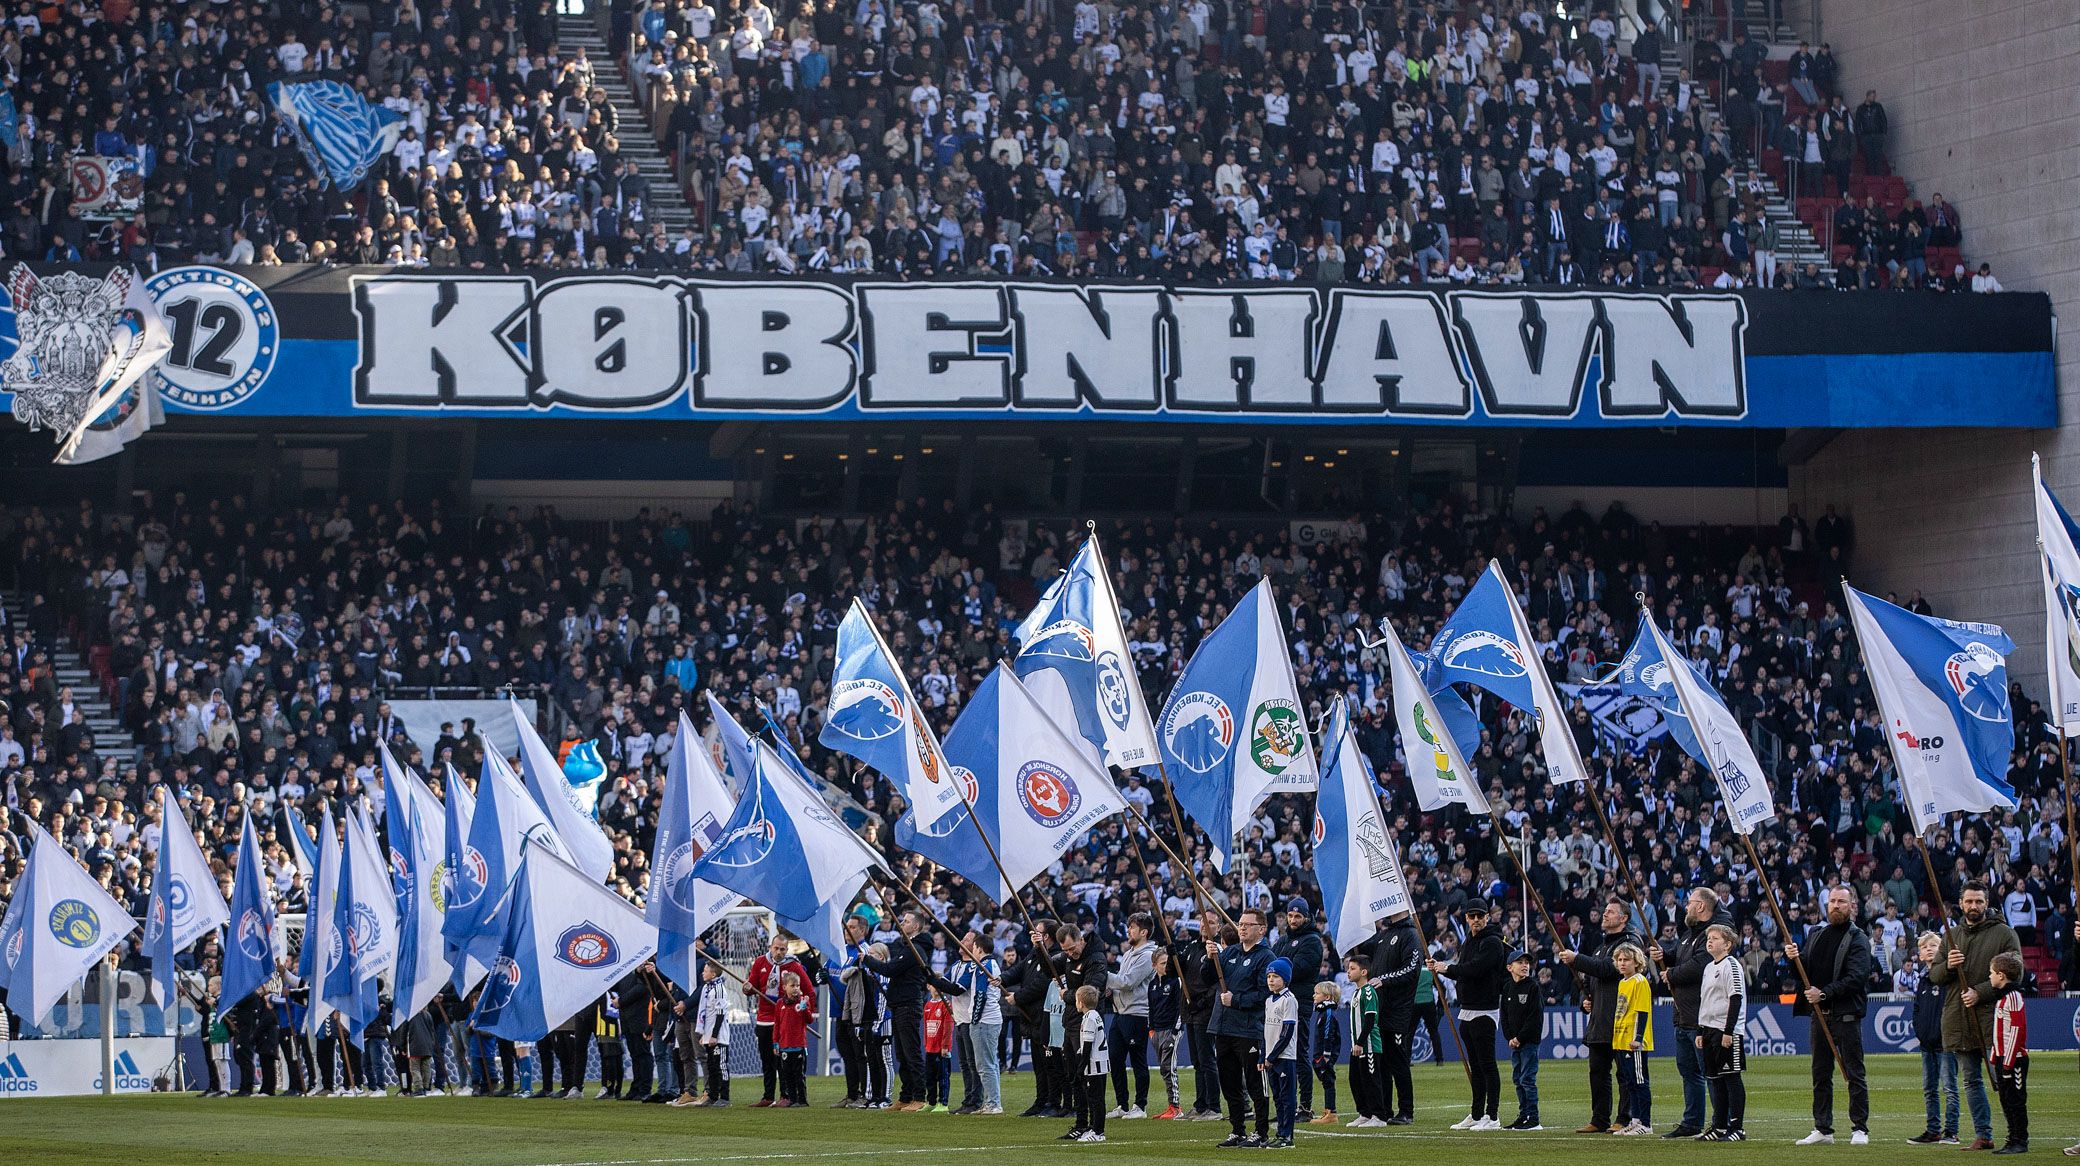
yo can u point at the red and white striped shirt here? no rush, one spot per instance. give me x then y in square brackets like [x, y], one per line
[2010, 1030]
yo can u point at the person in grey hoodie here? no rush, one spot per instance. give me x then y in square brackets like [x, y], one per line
[1129, 986]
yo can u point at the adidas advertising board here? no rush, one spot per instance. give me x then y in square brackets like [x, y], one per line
[72, 1068]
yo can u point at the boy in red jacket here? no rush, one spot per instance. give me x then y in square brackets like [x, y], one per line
[938, 1051]
[792, 1015]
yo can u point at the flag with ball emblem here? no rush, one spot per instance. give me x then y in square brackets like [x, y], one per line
[1436, 766]
[1716, 740]
[505, 818]
[1487, 643]
[58, 926]
[1355, 863]
[364, 927]
[249, 946]
[1073, 658]
[318, 955]
[1942, 688]
[567, 940]
[1234, 731]
[414, 822]
[874, 717]
[461, 880]
[1033, 790]
[689, 822]
[185, 904]
[782, 847]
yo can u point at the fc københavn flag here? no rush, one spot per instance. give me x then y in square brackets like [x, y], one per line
[874, 717]
[689, 823]
[1646, 674]
[1035, 791]
[567, 940]
[58, 926]
[1235, 731]
[1074, 660]
[1355, 863]
[782, 848]
[249, 945]
[185, 904]
[415, 822]
[461, 879]
[1721, 746]
[342, 135]
[572, 809]
[1437, 768]
[364, 927]
[2058, 538]
[125, 403]
[319, 953]
[506, 815]
[1942, 688]
[1487, 643]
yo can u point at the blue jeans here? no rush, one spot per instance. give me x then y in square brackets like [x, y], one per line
[1973, 1065]
[667, 1065]
[1691, 1070]
[1939, 1092]
[1284, 1079]
[982, 1039]
[1523, 1073]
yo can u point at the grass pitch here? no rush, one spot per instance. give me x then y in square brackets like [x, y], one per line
[148, 1131]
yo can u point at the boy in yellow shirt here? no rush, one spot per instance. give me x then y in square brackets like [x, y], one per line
[1632, 1035]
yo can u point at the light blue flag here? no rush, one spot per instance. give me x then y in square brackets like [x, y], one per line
[689, 823]
[315, 960]
[341, 134]
[58, 926]
[1073, 657]
[1235, 731]
[1942, 687]
[567, 940]
[249, 948]
[413, 823]
[1487, 643]
[302, 847]
[738, 757]
[1452, 708]
[874, 717]
[1355, 863]
[782, 847]
[573, 810]
[364, 928]
[461, 880]
[1643, 673]
[506, 815]
[584, 770]
[1722, 746]
[185, 904]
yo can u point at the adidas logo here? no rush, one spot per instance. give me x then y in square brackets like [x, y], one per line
[14, 1076]
[125, 1065]
[11, 1068]
[129, 1078]
[1766, 1036]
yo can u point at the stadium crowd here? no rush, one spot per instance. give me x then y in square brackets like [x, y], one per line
[1153, 139]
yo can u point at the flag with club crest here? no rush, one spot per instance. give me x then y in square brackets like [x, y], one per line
[460, 882]
[1436, 766]
[782, 848]
[342, 134]
[1644, 672]
[1720, 745]
[1073, 658]
[567, 940]
[572, 809]
[875, 718]
[364, 927]
[58, 926]
[249, 946]
[689, 823]
[1355, 862]
[1488, 643]
[415, 821]
[320, 953]
[505, 817]
[185, 904]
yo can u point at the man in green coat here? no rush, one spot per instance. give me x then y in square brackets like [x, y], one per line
[1961, 967]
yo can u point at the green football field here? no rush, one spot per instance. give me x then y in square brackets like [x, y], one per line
[148, 1131]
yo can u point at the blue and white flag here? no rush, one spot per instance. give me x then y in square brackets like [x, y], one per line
[415, 823]
[506, 816]
[1235, 731]
[1720, 745]
[567, 941]
[185, 904]
[1942, 688]
[782, 848]
[341, 134]
[1032, 789]
[572, 810]
[123, 404]
[874, 717]
[1073, 658]
[2058, 542]
[1355, 862]
[689, 823]
[1487, 643]
[1050, 597]
[320, 953]
[738, 757]
[1645, 673]
[303, 849]
[249, 947]
[58, 926]
[461, 880]
[584, 770]
[364, 928]
[1437, 767]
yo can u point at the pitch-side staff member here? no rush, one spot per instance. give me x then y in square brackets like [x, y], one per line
[1238, 1026]
[1482, 966]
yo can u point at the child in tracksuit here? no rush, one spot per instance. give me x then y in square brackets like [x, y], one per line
[1325, 1038]
[792, 1017]
[712, 1023]
[938, 1051]
[1722, 1018]
[1096, 1067]
[1632, 1036]
[2009, 1057]
[1165, 1015]
[1367, 1045]
[1281, 1048]
[1523, 1026]
[1938, 1067]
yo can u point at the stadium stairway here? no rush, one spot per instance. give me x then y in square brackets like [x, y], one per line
[638, 137]
[93, 688]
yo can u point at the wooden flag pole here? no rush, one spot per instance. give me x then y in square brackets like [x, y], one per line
[1415, 919]
[1798, 962]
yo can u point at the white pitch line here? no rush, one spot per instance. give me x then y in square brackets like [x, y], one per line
[804, 1155]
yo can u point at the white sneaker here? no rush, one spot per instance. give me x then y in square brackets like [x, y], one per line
[1859, 1138]
[573, 1094]
[1486, 1124]
[1091, 1136]
[1465, 1123]
[1133, 1113]
[1370, 1123]
[990, 1110]
[603, 1094]
[1816, 1138]
[1116, 1112]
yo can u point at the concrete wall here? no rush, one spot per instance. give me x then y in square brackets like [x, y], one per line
[1984, 111]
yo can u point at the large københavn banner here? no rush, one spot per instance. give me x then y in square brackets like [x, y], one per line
[371, 342]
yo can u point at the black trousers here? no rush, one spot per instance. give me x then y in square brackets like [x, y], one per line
[1303, 1048]
[1130, 1048]
[254, 1047]
[909, 1037]
[1090, 1111]
[850, 1052]
[718, 1073]
[872, 1048]
[1238, 1056]
[2013, 1087]
[291, 1044]
[1848, 1039]
[642, 1063]
[1602, 1063]
[768, 1060]
[1478, 1035]
[794, 1075]
[1048, 1086]
[1068, 1059]
[1396, 1082]
[1365, 1086]
[1206, 1078]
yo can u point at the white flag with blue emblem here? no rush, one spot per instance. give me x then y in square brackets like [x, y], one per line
[782, 847]
[319, 954]
[461, 879]
[364, 927]
[1719, 744]
[1436, 767]
[689, 822]
[1488, 643]
[58, 926]
[568, 940]
[342, 134]
[573, 810]
[185, 904]
[874, 717]
[1234, 731]
[506, 816]
[2058, 542]
[1034, 791]
[1073, 658]
[249, 947]
[1355, 863]
[1942, 688]
[415, 824]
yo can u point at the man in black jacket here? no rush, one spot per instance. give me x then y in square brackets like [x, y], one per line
[1481, 968]
[1201, 983]
[907, 975]
[1685, 976]
[1027, 980]
[1602, 1005]
[1839, 963]
[1395, 955]
[1076, 962]
[1302, 946]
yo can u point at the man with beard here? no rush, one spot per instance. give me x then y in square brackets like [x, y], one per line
[1075, 962]
[1685, 976]
[1602, 1006]
[1395, 956]
[1840, 969]
[1238, 1027]
[1481, 969]
[1301, 946]
[1961, 966]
